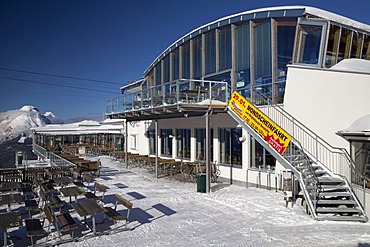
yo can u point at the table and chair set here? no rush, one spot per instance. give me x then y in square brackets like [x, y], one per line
[51, 209]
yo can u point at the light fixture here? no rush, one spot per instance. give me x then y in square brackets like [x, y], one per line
[242, 138]
[171, 136]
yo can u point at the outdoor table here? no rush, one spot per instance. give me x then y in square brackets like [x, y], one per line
[86, 208]
[9, 220]
[63, 180]
[49, 188]
[31, 205]
[71, 191]
[8, 199]
[9, 186]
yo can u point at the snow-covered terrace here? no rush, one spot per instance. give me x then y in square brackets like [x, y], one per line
[167, 212]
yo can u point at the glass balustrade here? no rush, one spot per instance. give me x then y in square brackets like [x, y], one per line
[169, 94]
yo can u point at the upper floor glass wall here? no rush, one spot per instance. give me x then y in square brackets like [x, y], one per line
[242, 41]
[185, 61]
[262, 54]
[225, 48]
[158, 74]
[210, 39]
[166, 69]
[310, 42]
[197, 58]
[366, 48]
[175, 65]
[267, 45]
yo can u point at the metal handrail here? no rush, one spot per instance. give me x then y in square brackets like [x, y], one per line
[309, 180]
[323, 152]
[57, 160]
[40, 151]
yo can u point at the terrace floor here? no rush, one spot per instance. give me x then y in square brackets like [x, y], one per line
[169, 212]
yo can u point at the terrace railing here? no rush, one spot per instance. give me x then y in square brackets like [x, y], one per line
[40, 151]
[178, 92]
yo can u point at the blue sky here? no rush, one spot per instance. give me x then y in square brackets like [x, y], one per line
[111, 41]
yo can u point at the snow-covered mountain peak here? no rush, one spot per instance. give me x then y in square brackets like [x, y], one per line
[16, 123]
[29, 108]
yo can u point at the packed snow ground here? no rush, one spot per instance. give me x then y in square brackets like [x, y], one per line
[168, 212]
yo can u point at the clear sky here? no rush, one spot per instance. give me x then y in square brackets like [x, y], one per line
[112, 41]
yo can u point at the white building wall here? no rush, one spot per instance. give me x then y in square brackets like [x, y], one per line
[327, 101]
[137, 140]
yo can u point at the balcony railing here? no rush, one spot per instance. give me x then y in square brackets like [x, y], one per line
[171, 94]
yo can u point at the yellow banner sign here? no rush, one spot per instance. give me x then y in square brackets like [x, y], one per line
[263, 125]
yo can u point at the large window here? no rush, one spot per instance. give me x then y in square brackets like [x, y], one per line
[285, 46]
[166, 142]
[210, 39]
[260, 158]
[309, 42]
[262, 52]
[225, 48]
[366, 48]
[361, 155]
[183, 143]
[201, 144]
[243, 60]
[230, 146]
[197, 58]
[158, 74]
[356, 45]
[175, 65]
[186, 61]
[263, 58]
[332, 49]
[344, 45]
[151, 137]
[166, 68]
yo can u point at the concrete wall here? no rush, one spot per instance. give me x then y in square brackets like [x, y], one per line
[327, 101]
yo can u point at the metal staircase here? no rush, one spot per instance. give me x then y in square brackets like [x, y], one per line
[328, 196]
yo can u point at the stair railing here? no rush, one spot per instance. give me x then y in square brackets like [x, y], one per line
[335, 159]
[292, 159]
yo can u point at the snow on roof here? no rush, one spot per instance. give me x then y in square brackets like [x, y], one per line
[359, 127]
[83, 127]
[353, 65]
[326, 15]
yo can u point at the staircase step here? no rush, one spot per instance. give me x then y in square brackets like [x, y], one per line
[319, 172]
[330, 180]
[335, 202]
[334, 193]
[343, 218]
[335, 210]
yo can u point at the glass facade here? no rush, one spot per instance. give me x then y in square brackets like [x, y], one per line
[197, 58]
[183, 143]
[263, 59]
[225, 48]
[210, 39]
[200, 146]
[230, 146]
[309, 43]
[166, 142]
[243, 82]
[175, 64]
[185, 61]
[151, 137]
[166, 69]
[260, 158]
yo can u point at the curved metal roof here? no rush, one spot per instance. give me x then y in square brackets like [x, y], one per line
[275, 12]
